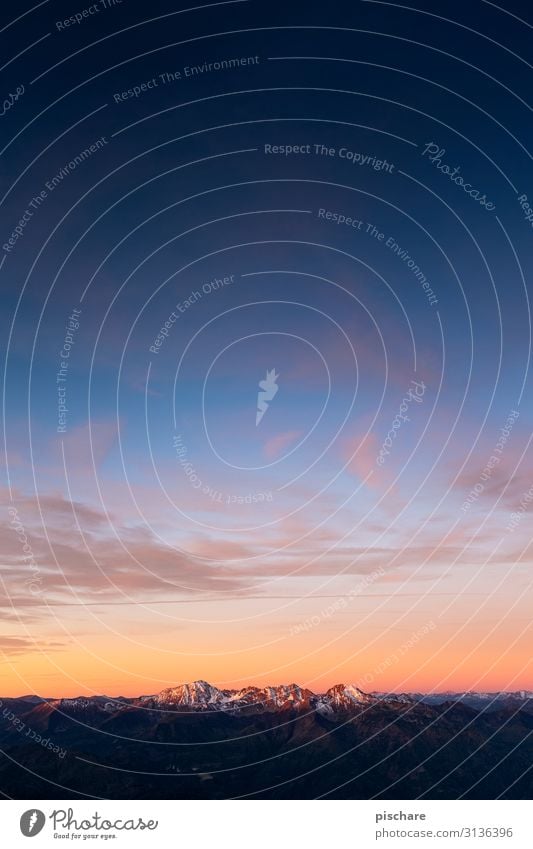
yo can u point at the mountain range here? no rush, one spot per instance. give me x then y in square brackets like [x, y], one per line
[196, 740]
[202, 696]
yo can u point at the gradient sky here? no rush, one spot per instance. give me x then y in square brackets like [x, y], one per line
[170, 538]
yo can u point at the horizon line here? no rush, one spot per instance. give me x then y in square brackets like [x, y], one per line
[290, 684]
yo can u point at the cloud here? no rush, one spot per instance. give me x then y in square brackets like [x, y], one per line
[29, 509]
[360, 452]
[276, 445]
[49, 559]
[27, 645]
[88, 445]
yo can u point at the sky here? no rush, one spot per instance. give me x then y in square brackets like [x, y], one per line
[324, 211]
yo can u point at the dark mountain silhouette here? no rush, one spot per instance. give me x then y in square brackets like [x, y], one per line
[197, 741]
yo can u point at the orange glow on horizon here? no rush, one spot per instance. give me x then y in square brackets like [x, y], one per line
[98, 668]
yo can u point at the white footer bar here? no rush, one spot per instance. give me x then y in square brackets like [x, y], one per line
[268, 824]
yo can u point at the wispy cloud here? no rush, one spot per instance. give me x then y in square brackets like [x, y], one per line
[276, 445]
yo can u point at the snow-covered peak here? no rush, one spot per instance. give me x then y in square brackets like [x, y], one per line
[403, 698]
[268, 698]
[286, 695]
[346, 696]
[79, 702]
[198, 694]
[83, 704]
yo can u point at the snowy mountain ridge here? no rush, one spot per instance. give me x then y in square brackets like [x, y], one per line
[200, 695]
[341, 698]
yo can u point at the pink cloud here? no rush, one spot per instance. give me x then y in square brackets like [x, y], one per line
[276, 445]
[361, 452]
[91, 440]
